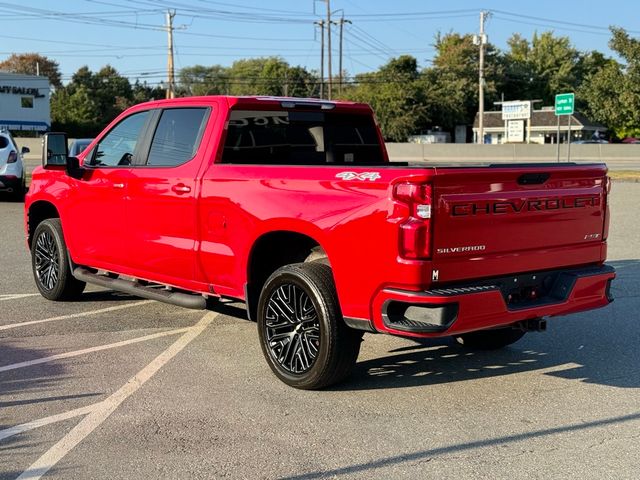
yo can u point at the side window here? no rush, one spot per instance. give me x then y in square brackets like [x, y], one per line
[177, 136]
[118, 146]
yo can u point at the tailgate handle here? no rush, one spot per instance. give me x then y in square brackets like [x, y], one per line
[533, 178]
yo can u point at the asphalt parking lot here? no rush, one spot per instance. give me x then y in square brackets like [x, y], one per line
[118, 387]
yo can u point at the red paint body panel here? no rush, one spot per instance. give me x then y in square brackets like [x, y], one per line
[202, 239]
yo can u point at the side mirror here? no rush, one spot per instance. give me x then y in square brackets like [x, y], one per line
[54, 149]
[25, 150]
[56, 152]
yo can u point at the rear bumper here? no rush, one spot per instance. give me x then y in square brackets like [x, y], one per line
[496, 302]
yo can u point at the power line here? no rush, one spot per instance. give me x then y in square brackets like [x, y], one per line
[558, 22]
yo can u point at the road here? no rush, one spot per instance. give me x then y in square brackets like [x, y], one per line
[118, 387]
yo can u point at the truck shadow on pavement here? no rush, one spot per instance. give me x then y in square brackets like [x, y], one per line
[429, 454]
[599, 347]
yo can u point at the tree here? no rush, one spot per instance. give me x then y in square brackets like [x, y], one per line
[30, 64]
[612, 93]
[91, 100]
[397, 97]
[270, 76]
[142, 92]
[75, 112]
[541, 68]
[451, 84]
[201, 80]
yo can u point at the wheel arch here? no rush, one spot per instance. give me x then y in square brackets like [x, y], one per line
[273, 250]
[39, 211]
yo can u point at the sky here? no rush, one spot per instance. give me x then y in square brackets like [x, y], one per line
[130, 35]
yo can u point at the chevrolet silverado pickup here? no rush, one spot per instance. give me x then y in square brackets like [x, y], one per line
[293, 207]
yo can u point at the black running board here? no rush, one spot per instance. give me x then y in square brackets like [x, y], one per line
[186, 300]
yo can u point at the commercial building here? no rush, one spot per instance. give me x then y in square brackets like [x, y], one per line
[541, 128]
[24, 102]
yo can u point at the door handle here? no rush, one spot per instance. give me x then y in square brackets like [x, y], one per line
[118, 185]
[181, 188]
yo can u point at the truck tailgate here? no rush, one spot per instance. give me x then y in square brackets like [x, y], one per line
[517, 219]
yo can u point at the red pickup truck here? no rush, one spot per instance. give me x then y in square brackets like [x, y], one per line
[292, 206]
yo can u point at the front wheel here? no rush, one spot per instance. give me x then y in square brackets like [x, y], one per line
[50, 263]
[302, 333]
[490, 339]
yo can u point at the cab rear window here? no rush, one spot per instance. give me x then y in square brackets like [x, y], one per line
[301, 138]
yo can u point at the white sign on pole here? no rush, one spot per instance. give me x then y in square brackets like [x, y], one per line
[516, 110]
[515, 131]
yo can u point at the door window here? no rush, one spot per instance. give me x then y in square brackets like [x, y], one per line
[177, 136]
[117, 148]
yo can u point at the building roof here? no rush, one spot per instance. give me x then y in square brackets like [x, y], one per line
[19, 77]
[541, 118]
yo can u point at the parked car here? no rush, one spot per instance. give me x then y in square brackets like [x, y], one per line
[292, 206]
[13, 178]
[78, 146]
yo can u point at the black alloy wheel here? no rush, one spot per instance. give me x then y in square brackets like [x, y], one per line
[50, 263]
[47, 260]
[292, 329]
[302, 333]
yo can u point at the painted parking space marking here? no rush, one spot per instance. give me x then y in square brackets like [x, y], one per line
[16, 296]
[75, 315]
[41, 422]
[84, 351]
[101, 410]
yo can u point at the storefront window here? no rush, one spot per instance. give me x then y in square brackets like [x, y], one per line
[27, 102]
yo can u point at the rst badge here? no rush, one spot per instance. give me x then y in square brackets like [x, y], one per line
[364, 176]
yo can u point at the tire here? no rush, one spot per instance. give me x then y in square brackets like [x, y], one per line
[20, 191]
[490, 339]
[50, 263]
[302, 333]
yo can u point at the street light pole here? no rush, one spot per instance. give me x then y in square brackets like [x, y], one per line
[170, 68]
[482, 39]
[341, 23]
[329, 47]
[320, 23]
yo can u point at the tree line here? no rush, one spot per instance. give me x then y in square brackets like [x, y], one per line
[407, 99]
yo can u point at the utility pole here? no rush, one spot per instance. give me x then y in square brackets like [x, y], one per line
[341, 23]
[481, 41]
[320, 23]
[329, 46]
[170, 70]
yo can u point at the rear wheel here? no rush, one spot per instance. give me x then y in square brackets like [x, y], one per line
[302, 333]
[50, 263]
[490, 339]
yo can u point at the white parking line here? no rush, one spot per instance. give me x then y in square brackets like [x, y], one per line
[16, 296]
[84, 351]
[41, 422]
[105, 408]
[74, 315]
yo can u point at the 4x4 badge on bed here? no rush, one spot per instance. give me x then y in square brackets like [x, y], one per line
[371, 176]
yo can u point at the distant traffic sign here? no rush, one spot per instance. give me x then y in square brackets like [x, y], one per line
[564, 103]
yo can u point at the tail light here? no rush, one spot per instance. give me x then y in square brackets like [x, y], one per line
[415, 231]
[605, 226]
[13, 157]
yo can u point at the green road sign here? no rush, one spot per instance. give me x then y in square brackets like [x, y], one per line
[564, 103]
